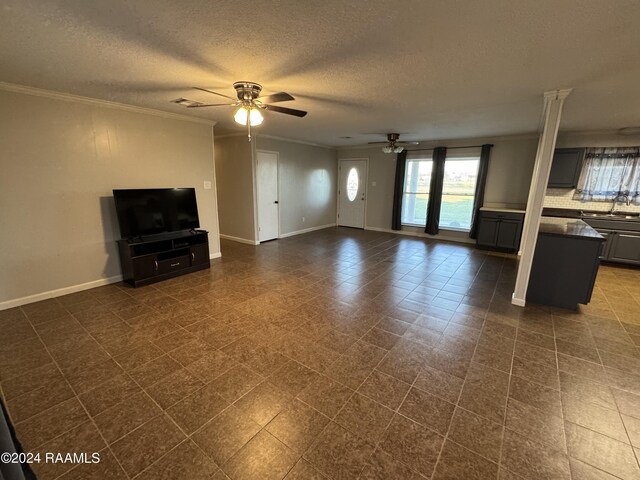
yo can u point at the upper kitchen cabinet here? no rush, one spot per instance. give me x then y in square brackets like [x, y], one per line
[566, 167]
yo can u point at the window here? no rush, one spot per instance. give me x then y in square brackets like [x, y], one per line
[417, 181]
[458, 191]
[610, 175]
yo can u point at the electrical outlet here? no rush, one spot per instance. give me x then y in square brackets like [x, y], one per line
[207, 185]
[303, 219]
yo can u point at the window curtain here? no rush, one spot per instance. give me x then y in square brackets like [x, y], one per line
[435, 191]
[398, 189]
[478, 199]
[609, 174]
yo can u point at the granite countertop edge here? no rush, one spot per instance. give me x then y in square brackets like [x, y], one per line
[568, 227]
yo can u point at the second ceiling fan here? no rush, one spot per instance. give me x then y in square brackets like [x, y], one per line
[393, 143]
[249, 103]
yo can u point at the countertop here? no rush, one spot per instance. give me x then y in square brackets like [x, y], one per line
[496, 209]
[568, 227]
[589, 214]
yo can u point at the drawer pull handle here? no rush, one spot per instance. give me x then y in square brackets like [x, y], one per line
[175, 264]
[155, 263]
[193, 256]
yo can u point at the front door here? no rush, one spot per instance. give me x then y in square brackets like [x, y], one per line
[351, 193]
[267, 185]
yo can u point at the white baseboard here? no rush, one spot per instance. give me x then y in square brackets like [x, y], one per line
[520, 302]
[447, 238]
[239, 240]
[59, 292]
[306, 230]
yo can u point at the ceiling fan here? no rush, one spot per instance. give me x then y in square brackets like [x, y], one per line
[249, 102]
[393, 143]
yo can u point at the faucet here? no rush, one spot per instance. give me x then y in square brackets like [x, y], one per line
[627, 202]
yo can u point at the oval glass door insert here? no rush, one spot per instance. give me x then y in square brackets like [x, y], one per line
[352, 184]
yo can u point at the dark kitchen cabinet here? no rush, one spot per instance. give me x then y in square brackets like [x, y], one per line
[564, 269]
[509, 232]
[566, 167]
[499, 230]
[606, 246]
[488, 231]
[622, 240]
[625, 248]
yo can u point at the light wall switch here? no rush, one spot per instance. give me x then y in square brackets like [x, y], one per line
[303, 219]
[373, 184]
[207, 185]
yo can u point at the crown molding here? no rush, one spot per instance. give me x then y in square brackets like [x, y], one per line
[615, 131]
[258, 136]
[68, 97]
[449, 141]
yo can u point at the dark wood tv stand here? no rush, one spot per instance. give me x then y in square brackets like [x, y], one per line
[153, 258]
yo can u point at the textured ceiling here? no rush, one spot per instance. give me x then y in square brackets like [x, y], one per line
[432, 69]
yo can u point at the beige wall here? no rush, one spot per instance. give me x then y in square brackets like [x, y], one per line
[234, 172]
[508, 179]
[594, 139]
[510, 170]
[60, 161]
[306, 183]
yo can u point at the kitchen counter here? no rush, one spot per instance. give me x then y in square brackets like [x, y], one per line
[497, 209]
[567, 227]
[619, 216]
[565, 263]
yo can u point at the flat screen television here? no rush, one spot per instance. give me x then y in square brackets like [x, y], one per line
[151, 211]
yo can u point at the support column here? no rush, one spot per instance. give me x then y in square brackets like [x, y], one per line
[552, 111]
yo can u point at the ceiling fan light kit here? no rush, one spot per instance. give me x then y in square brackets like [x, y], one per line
[249, 102]
[392, 143]
[392, 149]
[245, 114]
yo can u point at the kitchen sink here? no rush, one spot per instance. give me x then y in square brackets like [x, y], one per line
[612, 216]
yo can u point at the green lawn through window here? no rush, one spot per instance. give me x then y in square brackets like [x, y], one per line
[456, 210]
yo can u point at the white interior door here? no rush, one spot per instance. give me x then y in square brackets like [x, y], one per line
[351, 193]
[267, 186]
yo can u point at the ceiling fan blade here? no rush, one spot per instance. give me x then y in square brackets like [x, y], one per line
[211, 105]
[288, 111]
[407, 143]
[214, 93]
[378, 143]
[276, 97]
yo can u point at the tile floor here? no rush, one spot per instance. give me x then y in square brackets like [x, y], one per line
[338, 354]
